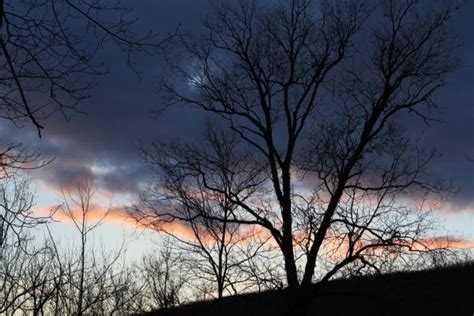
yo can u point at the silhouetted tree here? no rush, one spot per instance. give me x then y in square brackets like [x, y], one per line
[48, 61]
[16, 201]
[41, 276]
[25, 277]
[215, 244]
[48, 53]
[87, 276]
[165, 277]
[319, 90]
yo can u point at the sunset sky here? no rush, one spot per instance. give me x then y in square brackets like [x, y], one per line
[103, 143]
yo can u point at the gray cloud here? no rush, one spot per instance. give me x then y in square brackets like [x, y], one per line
[119, 116]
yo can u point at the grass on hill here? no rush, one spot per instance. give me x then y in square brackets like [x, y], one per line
[442, 291]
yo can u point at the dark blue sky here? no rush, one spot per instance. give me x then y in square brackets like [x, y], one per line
[103, 143]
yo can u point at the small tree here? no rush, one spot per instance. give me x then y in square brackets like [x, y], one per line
[16, 202]
[87, 275]
[24, 267]
[165, 278]
[215, 243]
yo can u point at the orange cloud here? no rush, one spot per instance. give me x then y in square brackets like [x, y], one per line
[118, 215]
[447, 242]
[114, 215]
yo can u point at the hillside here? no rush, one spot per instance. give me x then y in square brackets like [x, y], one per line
[446, 291]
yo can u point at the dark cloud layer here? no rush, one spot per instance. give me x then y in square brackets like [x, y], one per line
[103, 143]
[454, 136]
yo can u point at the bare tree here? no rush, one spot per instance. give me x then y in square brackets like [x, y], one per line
[49, 49]
[16, 213]
[128, 296]
[263, 269]
[48, 62]
[39, 276]
[275, 73]
[215, 243]
[25, 268]
[26, 278]
[87, 275]
[164, 276]
[17, 157]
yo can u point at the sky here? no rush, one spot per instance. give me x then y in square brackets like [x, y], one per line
[102, 144]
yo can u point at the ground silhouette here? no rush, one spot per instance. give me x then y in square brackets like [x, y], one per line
[442, 291]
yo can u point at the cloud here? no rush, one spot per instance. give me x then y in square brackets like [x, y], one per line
[115, 173]
[96, 213]
[455, 207]
[448, 242]
[102, 144]
[116, 215]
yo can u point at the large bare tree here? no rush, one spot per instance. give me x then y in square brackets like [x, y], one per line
[319, 90]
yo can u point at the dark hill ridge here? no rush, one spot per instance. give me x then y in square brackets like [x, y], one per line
[444, 291]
